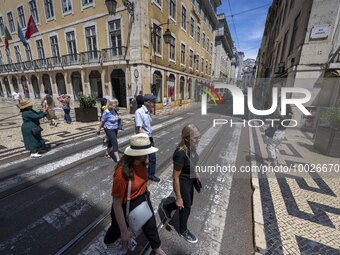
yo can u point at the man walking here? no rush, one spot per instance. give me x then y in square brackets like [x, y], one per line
[143, 122]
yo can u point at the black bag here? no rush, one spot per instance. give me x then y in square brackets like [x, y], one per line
[36, 130]
[197, 185]
[270, 132]
[120, 124]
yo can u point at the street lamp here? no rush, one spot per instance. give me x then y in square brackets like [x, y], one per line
[167, 36]
[111, 6]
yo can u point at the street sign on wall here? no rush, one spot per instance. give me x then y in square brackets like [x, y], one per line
[320, 32]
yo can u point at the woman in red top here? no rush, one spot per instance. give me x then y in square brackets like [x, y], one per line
[132, 167]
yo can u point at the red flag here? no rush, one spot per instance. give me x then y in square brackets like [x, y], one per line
[7, 37]
[31, 28]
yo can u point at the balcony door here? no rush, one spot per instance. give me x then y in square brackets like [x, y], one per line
[91, 43]
[115, 38]
[71, 46]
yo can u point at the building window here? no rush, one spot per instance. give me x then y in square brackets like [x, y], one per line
[40, 49]
[206, 67]
[1, 59]
[17, 53]
[191, 58]
[199, 4]
[66, 6]
[172, 9]
[211, 48]
[202, 65]
[21, 15]
[28, 53]
[208, 44]
[8, 55]
[11, 22]
[192, 26]
[54, 46]
[115, 37]
[87, 2]
[34, 10]
[91, 41]
[71, 43]
[295, 28]
[159, 2]
[197, 61]
[198, 36]
[283, 51]
[49, 9]
[157, 42]
[2, 27]
[184, 18]
[172, 49]
[203, 41]
[205, 15]
[182, 54]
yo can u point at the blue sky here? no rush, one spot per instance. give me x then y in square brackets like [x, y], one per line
[249, 26]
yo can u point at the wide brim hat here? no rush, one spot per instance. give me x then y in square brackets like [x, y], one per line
[24, 104]
[140, 145]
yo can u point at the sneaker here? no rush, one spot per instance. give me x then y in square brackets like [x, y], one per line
[189, 237]
[154, 178]
[35, 155]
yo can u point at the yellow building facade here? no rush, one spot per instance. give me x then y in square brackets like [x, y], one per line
[81, 48]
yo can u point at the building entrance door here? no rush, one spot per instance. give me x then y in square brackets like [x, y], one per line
[119, 86]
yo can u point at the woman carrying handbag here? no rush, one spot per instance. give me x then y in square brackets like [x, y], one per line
[131, 205]
[110, 121]
[185, 180]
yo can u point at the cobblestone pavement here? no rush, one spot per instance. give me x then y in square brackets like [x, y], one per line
[301, 211]
[11, 143]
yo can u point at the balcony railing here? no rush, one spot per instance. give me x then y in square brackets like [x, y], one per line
[40, 63]
[89, 57]
[28, 65]
[71, 59]
[111, 54]
[54, 62]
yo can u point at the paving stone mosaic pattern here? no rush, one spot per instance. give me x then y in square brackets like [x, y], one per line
[301, 212]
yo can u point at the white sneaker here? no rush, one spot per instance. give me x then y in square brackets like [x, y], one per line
[35, 155]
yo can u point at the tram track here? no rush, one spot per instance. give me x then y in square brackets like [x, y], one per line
[92, 226]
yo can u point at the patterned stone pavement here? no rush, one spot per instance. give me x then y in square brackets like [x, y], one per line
[11, 143]
[300, 211]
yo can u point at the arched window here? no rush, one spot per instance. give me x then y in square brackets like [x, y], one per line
[76, 85]
[181, 87]
[171, 86]
[35, 86]
[47, 84]
[156, 86]
[61, 86]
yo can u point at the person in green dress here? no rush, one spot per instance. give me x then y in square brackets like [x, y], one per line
[31, 130]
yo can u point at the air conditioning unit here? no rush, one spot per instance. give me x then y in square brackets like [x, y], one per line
[280, 68]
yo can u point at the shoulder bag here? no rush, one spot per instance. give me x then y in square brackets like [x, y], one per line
[139, 215]
[36, 130]
[196, 182]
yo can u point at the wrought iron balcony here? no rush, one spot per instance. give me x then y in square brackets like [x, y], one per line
[115, 53]
[28, 65]
[40, 63]
[54, 62]
[71, 59]
[89, 57]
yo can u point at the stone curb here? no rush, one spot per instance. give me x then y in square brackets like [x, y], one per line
[259, 235]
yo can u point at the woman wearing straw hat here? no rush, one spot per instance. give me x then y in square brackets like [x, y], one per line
[129, 192]
[31, 130]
